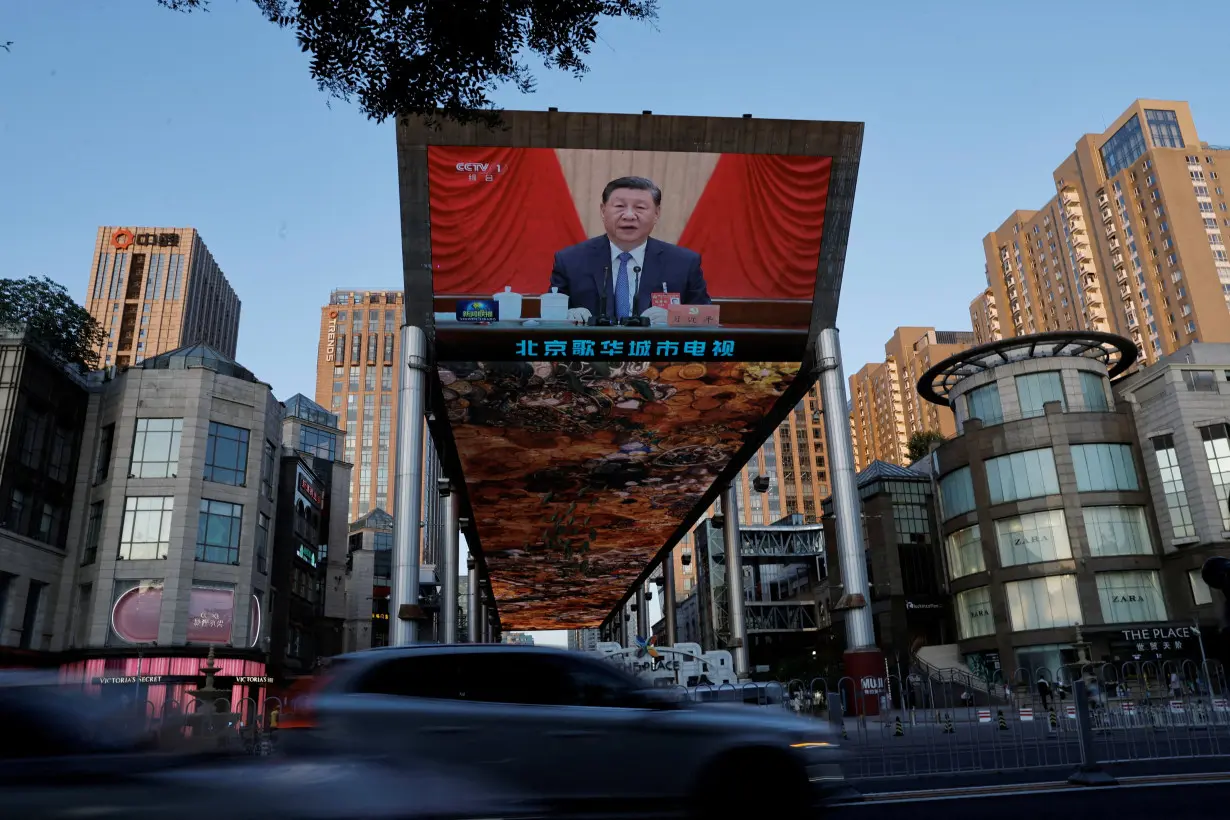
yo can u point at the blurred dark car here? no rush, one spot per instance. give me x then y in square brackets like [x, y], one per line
[67, 755]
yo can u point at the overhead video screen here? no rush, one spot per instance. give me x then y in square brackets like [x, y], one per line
[620, 226]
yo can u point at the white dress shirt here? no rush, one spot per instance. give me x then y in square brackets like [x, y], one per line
[635, 264]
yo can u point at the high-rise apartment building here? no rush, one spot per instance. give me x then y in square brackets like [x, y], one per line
[885, 409]
[356, 380]
[1132, 242]
[154, 290]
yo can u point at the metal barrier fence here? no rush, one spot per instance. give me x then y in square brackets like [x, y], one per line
[1077, 716]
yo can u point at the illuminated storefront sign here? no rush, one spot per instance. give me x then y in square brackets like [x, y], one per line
[314, 495]
[153, 680]
[331, 337]
[307, 554]
[670, 350]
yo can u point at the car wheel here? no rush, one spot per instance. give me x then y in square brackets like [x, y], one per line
[756, 783]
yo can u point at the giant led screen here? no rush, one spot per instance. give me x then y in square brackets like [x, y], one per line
[590, 424]
[705, 226]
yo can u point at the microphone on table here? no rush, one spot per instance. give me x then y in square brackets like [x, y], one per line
[603, 319]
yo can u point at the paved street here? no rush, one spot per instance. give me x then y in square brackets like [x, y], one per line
[1186, 800]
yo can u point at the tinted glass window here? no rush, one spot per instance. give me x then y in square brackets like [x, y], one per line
[525, 678]
[590, 684]
[425, 676]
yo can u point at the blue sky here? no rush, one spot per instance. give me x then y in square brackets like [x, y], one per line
[123, 112]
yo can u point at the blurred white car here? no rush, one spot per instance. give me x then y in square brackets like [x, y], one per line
[572, 731]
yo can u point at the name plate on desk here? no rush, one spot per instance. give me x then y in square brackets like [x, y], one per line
[478, 310]
[692, 315]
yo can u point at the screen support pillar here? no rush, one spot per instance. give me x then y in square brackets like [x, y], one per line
[448, 565]
[642, 614]
[472, 614]
[668, 598]
[864, 662]
[408, 489]
[734, 580]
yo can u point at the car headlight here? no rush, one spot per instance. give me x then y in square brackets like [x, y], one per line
[814, 744]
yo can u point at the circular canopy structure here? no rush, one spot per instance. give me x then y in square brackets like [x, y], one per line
[1115, 352]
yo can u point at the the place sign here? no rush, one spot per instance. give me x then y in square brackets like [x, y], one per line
[1157, 633]
[124, 238]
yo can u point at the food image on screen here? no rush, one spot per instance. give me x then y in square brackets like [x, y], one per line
[578, 473]
[701, 225]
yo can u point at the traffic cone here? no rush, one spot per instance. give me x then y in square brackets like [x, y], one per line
[899, 730]
[948, 728]
[1003, 722]
[1054, 721]
[844, 734]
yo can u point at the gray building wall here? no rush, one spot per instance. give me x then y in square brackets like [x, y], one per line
[1163, 404]
[197, 396]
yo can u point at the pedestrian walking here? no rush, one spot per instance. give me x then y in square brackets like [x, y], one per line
[1176, 686]
[1044, 692]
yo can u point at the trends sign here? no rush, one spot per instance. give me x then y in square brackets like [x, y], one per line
[331, 337]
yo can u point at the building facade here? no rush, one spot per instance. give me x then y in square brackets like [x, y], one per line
[170, 539]
[43, 407]
[1131, 243]
[905, 570]
[1052, 549]
[308, 598]
[783, 569]
[154, 290]
[357, 379]
[885, 409]
[1181, 406]
[583, 640]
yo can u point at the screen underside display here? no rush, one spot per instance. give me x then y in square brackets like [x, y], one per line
[578, 473]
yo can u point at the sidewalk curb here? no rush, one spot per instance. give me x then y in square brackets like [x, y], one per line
[853, 797]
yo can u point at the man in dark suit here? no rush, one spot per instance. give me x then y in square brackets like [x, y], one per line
[625, 266]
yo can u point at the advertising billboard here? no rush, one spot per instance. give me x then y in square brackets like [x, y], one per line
[700, 226]
[620, 309]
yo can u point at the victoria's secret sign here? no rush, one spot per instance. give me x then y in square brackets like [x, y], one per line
[331, 337]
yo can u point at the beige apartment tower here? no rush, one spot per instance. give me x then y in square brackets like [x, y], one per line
[154, 290]
[356, 379]
[884, 406]
[1131, 243]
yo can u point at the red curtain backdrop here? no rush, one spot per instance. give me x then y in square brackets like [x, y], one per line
[485, 235]
[758, 226]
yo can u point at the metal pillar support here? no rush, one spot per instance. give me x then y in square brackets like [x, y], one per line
[668, 598]
[473, 627]
[734, 580]
[847, 509]
[642, 614]
[448, 558]
[408, 488]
